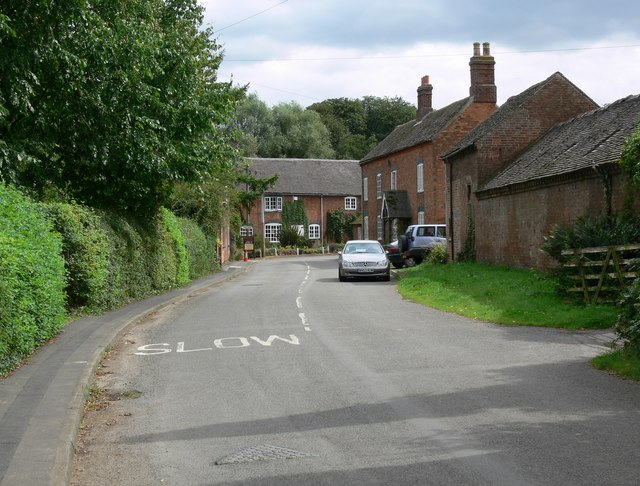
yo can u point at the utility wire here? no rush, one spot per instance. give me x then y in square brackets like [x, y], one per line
[251, 16]
[364, 58]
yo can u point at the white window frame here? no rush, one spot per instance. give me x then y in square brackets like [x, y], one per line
[420, 217]
[365, 225]
[272, 232]
[314, 231]
[394, 180]
[246, 231]
[378, 186]
[272, 203]
[350, 203]
[365, 189]
[420, 177]
[379, 227]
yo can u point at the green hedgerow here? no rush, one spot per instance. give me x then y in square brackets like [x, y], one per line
[32, 298]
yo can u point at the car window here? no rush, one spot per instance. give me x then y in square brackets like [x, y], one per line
[442, 231]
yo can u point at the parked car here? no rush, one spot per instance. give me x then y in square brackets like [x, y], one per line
[363, 258]
[395, 256]
[418, 240]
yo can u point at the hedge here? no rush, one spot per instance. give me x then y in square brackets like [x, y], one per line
[110, 261]
[32, 278]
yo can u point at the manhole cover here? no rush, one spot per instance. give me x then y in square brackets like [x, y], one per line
[262, 452]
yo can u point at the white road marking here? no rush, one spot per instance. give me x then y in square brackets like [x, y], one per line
[223, 343]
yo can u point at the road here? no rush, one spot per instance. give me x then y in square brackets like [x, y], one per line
[287, 376]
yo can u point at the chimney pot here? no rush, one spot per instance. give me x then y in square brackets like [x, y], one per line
[425, 91]
[483, 88]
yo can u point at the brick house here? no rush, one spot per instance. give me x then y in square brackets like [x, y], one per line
[491, 146]
[565, 174]
[403, 177]
[322, 185]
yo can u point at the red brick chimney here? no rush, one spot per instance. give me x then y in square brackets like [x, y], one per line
[425, 94]
[483, 80]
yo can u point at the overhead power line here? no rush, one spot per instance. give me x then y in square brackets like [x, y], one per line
[252, 16]
[364, 58]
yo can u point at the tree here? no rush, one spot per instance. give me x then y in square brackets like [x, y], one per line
[254, 188]
[111, 102]
[356, 126]
[346, 121]
[298, 133]
[630, 159]
[253, 125]
[385, 114]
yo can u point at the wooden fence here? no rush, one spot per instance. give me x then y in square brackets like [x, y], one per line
[602, 273]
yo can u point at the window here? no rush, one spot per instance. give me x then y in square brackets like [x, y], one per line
[366, 227]
[394, 180]
[299, 228]
[365, 189]
[272, 232]
[420, 217]
[314, 231]
[378, 186]
[273, 203]
[350, 203]
[379, 227]
[394, 229]
[420, 177]
[246, 231]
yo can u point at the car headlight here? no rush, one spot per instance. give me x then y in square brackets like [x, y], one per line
[382, 263]
[347, 263]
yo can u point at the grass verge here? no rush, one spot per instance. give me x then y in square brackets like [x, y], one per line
[501, 295]
[512, 296]
[622, 363]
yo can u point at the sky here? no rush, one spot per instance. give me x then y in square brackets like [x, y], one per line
[309, 51]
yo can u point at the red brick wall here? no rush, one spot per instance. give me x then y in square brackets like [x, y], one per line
[510, 228]
[432, 200]
[558, 100]
[315, 206]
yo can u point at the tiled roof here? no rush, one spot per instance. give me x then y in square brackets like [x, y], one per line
[501, 115]
[310, 176]
[417, 131]
[590, 140]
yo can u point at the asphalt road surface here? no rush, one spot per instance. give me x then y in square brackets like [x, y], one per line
[286, 376]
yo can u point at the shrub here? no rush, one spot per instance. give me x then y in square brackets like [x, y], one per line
[32, 300]
[628, 325]
[201, 251]
[592, 232]
[86, 250]
[180, 250]
[438, 254]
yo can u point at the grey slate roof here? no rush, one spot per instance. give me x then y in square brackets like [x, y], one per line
[501, 116]
[310, 176]
[592, 139]
[416, 132]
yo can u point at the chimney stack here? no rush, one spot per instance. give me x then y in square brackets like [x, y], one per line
[425, 95]
[483, 84]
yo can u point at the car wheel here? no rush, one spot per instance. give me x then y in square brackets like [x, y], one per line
[398, 265]
[418, 260]
[387, 277]
[340, 277]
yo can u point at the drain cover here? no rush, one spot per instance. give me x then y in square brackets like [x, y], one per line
[262, 452]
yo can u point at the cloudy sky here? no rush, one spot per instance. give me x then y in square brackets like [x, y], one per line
[312, 50]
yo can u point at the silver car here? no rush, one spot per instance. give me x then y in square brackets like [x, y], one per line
[363, 258]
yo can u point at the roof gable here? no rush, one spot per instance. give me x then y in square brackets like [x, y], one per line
[587, 141]
[505, 113]
[419, 131]
[310, 176]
